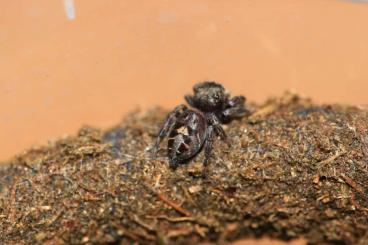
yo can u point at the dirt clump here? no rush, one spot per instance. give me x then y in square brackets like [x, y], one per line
[292, 169]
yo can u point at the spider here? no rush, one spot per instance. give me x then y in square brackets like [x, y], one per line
[190, 130]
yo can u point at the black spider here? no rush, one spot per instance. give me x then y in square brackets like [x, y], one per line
[191, 129]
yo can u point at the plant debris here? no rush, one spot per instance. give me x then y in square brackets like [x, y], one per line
[292, 169]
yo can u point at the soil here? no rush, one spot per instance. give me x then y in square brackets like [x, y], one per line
[292, 169]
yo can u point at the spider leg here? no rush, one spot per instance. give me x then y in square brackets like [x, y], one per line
[234, 112]
[174, 163]
[190, 100]
[215, 123]
[236, 108]
[208, 145]
[168, 126]
[236, 100]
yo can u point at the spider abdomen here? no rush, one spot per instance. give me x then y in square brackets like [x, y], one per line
[187, 137]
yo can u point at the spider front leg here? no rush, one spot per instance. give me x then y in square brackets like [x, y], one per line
[213, 129]
[190, 100]
[208, 145]
[170, 121]
[215, 123]
[236, 101]
[235, 109]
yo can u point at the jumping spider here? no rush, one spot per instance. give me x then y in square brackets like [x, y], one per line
[191, 129]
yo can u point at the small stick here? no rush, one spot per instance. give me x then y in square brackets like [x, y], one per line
[268, 109]
[169, 202]
[173, 204]
[173, 219]
[13, 195]
[352, 184]
[356, 204]
[137, 220]
[330, 159]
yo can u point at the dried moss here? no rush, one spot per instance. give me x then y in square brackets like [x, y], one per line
[293, 169]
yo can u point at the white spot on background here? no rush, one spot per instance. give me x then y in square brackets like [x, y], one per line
[69, 9]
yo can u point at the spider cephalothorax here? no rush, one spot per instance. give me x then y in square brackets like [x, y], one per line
[191, 129]
[208, 96]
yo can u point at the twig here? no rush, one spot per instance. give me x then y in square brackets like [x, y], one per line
[13, 196]
[268, 109]
[330, 159]
[52, 220]
[137, 220]
[173, 219]
[169, 202]
[173, 204]
[352, 184]
[134, 235]
[356, 204]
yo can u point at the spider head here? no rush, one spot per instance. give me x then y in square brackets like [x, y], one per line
[209, 96]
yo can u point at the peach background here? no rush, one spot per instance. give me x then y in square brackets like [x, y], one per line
[59, 71]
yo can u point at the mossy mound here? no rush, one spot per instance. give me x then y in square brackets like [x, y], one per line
[292, 169]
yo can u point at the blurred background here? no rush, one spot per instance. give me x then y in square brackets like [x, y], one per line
[68, 63]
